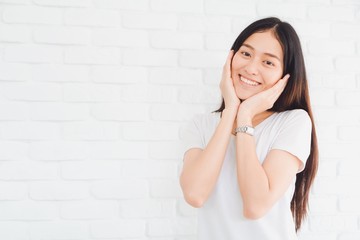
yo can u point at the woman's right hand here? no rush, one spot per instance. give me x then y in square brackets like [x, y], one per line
[232, 102]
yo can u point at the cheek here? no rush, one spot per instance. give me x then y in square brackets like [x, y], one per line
[271, 79]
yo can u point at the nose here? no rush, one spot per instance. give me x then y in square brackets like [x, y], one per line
[251, 67]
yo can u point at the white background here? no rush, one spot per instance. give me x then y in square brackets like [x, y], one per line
[93, 94]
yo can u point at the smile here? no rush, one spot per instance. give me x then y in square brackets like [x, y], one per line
[248, 81]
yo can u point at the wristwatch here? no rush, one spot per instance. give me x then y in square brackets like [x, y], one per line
[245, 129]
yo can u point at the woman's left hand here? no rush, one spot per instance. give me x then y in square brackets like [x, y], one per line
[262, 101]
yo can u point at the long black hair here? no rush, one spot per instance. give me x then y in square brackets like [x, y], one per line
[294, 96]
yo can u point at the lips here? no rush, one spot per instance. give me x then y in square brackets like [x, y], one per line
[248, 81]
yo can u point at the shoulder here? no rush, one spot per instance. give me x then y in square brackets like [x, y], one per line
[294, 115]
[297, 119]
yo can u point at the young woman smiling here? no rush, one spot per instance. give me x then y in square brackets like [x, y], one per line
[249, 165]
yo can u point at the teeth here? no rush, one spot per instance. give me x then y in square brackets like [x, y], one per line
[247, 81]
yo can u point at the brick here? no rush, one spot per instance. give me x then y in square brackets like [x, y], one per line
[13, 150]
[14, 230]
[348, 64]
[59, 111]
[90, 131]
[27, 170]
[322, 64]
[64, 3]
[150, 21]
[165, 150]
[28, 210]
[200, 95]
[348, 98]
[11, 33]
[117, 229]
[338, 150]
[123, 4]
[202, 59]
[87, 170]
[57, 150]
[120, 112]
[91, 93]
[323, 97]
[323, 205]
[339, 81]
[30, 131]
[122, 189]
[147, 208]
[171, 40]
[151, 132]
[13, 111]
[62, 35]
[327, 132]
[312, 29]
[160, 228]
[212, 76]
[174, 76]
[13, 191]
[33, 54]
[92, 17]
[120, 37]
[32, 14]
[117, 150]
[327, 168]
[185, 226]
[326, 46]
[149, 169]
[165, 189]
[184, 209]
[174, 112]
[92, 55]
[60, 73]
[88, 210]
[343, 116]
[285, 10]
[216, 24]
[318, 236]
[148, 93]
[15, 1]
[331, 13]
[229, 8]
[59, 229]
[349, 204]
[14, 72]
[348, 167]
[345, 31]
[333, 223]
[349, 236]
[58, 190]
[116, 74]
[32, 92]
[349, 133]
[187, 6]
[219, 42]
[147, 57]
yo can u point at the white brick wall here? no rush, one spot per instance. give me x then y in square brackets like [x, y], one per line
[93, 94]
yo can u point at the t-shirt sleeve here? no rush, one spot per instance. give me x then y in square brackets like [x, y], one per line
[192, 136]
[295, 136]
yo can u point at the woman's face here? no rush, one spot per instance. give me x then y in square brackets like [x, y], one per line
[257, 65]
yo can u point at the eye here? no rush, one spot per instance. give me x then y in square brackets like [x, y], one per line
[269, 63]
[246, 54]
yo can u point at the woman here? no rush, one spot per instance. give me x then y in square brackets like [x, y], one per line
[249, 165]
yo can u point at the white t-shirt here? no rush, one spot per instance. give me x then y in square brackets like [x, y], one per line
[221, 217]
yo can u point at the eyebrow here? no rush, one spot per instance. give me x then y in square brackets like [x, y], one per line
[269, 54]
